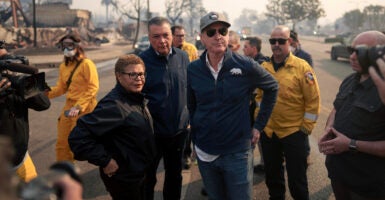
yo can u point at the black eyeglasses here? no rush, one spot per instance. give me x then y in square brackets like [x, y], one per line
[211, 32]
[134, 75]
[279, 40]
[230, 46]
[351, 50]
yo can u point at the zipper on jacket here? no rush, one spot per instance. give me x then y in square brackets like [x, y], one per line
[169, 86]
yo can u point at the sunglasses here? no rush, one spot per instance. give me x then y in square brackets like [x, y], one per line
[279, 40]
[351, 50]
[211, 32]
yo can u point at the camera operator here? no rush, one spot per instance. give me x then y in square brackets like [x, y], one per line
[377, 79]
[354, 136]
[14, 118]
[71, 188]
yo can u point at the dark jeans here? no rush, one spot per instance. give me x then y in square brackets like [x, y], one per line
[187, 149]
[120, 190]
[292, 149]
[171, 149]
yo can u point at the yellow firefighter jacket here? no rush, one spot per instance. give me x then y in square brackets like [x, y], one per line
[298, 102]
[84, 86]
[191, 51]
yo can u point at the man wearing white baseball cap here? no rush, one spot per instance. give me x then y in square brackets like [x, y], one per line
[219, 86]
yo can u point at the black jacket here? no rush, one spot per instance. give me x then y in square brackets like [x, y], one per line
[360, 115]
[260, 58]
[120, 127]
[14, 120]
[165, 89]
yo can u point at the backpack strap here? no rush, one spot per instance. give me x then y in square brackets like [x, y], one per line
[72, 73]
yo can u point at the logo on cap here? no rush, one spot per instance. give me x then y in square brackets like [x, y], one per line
[213, 17]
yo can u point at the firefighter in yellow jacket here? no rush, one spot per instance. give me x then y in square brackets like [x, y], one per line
[78, 79]
[285, 137]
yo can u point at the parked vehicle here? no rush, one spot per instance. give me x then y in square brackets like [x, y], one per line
[340, 50]
[142, 45]
[198, 43]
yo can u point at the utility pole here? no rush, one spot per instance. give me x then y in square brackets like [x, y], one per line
[148, 11]
[34, 24]
[191, 19]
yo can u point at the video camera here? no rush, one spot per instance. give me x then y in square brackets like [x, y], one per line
[367, 56]
[24, 85]
[44, 187]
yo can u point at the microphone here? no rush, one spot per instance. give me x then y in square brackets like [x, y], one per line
[18, 67]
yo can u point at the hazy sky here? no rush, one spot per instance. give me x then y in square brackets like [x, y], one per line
[333, 8]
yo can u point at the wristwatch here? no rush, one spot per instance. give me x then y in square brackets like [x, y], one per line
[353, 145]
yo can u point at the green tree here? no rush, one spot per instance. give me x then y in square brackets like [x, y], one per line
[375, 17]
[353, 19]
[294, 11]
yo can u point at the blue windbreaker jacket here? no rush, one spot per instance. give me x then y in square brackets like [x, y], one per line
[219, 109]
[165, 88]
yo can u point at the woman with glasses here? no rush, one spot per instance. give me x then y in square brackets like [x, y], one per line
[78, 80]
[118, 135]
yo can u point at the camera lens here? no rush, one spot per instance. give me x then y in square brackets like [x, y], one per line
[367, 56]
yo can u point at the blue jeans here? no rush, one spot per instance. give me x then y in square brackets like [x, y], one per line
[229, 177]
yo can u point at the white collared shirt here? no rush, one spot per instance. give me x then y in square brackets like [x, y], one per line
[212, 70]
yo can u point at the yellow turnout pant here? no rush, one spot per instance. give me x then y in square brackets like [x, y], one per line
[27, 170]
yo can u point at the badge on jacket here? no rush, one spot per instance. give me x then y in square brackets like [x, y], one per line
[309, 78]
[236, 72]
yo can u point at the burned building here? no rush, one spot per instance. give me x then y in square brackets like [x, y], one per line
[53, 19]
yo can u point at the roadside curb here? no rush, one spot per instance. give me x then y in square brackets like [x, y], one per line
[51, 58]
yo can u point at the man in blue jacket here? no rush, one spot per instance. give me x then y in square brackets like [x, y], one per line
[165, 88]
[296, 49]
[219, 87]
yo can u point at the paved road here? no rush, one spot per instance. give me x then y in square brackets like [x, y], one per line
[329, 73]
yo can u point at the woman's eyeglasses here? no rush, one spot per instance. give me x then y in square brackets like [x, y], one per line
[211, 32]
[134, 75]
[279, 40]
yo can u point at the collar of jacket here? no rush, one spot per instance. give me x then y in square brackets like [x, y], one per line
[134, 97]
[156, 54]
[227, 56]
[290, 61]
[228, 62]
[367, 83]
